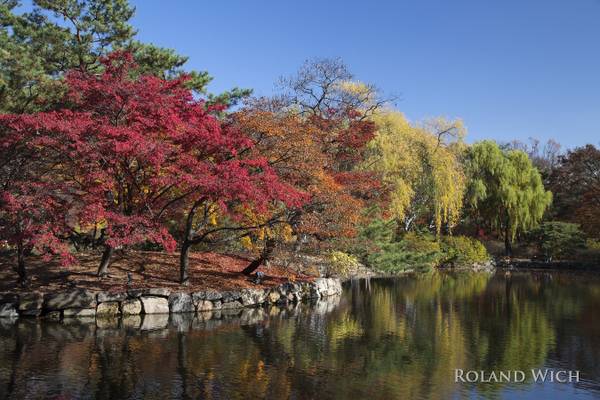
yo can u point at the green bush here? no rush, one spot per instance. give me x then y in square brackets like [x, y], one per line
[558, 239]
[414, 251]
[341, 263]
[463, 251]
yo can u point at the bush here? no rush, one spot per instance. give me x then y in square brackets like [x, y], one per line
[414, 251]
[558, 239]
[341, 263]
[463, 251]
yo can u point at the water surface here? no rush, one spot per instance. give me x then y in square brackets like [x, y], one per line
[397, 338]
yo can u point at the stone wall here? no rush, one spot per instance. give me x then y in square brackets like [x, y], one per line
[86, 304]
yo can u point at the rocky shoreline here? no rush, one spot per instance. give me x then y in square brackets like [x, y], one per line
[80, 303]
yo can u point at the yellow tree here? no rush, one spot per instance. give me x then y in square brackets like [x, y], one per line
[421, 167]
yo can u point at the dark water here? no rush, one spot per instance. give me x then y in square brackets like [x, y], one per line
[383, 339]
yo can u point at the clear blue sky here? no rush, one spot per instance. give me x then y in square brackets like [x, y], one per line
[509, 68]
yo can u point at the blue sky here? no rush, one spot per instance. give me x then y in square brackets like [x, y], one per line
[509, 68]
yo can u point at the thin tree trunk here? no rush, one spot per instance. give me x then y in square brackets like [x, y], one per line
[507, 242]
[21, 271]
[184, 263]
[264, 256]
[105, 261]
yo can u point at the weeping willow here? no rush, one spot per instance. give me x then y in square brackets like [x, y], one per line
[505, 189]
[421, 165]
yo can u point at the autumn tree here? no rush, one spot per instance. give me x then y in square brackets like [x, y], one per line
[575, 183]
[505, 190]
[421, 167]
[315, 135]
[33, 204]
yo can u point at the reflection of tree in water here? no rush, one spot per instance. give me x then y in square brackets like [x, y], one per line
[399, 338]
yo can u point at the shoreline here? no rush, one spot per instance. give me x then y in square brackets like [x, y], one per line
[81, 303]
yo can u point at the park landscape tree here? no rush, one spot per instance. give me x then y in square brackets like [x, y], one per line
[505, 191]
[421, 165]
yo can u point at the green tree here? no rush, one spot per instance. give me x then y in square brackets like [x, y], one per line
[38, 46]
[558, 239]
[505, 190]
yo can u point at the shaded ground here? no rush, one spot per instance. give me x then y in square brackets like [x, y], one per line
[148, 269]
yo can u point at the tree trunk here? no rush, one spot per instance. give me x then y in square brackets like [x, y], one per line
[507, 242]
[21, 271]
[264, 256]
[105, 261]
[184, 262]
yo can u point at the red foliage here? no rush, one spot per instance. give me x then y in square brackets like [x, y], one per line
[128, 150]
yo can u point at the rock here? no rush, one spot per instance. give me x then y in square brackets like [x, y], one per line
[131, 307]
[155, 321]
[229, 296]
[108, 296]
[231, 305]
[154, 305]
[274, 296]
[75, 299]
[80, 312]
[108, 309]
[213, 295]
[217, 304]
[253, 296]
[204, 305]
[8, 310]
[30, 304]
[197, 297]
[181, 303]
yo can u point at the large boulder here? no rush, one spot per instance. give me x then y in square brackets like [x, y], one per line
[108, 309]
[212, 295]
[8, 310]
[154, 305]
[251, 297]
[30, 304]
[231, 295]
[155, 292]
[74, 299]
[111, 296]
[131, 307]
[204, 305]
[181, 303]
[274, 296]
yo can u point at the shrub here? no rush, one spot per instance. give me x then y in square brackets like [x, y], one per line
[414, 251]
[341, 263]
[463, 251]
[592, 244]
[558, 239]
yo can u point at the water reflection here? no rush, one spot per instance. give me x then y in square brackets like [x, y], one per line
[383, 339]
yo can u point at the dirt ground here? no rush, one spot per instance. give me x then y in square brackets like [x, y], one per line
[148, 269]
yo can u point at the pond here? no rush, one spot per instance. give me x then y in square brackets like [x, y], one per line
[384, 338]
